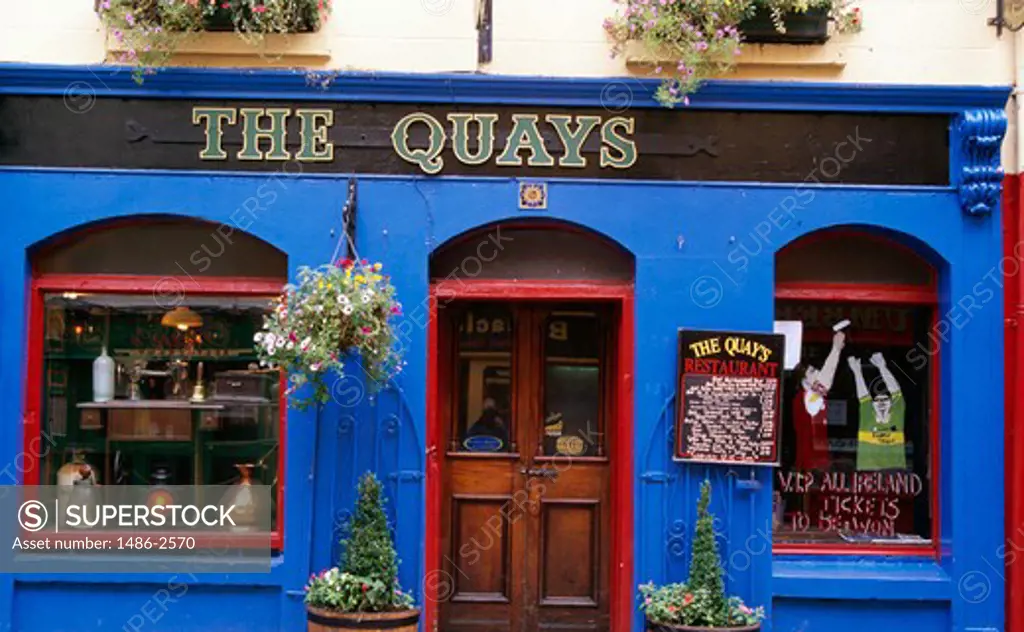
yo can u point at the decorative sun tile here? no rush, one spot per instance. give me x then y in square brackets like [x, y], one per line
[533, 195]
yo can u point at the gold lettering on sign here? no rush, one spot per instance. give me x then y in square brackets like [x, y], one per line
[527, 134]
[424, 140]
[270, 124]
[215, 118]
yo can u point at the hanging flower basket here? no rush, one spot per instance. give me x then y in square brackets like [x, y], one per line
[148, 32]
[808, 27]
[335, 319]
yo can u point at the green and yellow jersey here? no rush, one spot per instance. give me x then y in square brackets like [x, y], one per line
[882, 446]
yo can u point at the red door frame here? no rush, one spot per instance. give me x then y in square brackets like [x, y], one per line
[129, 284]
[621, 450]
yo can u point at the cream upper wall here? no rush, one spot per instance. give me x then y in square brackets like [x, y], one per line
[903, 41]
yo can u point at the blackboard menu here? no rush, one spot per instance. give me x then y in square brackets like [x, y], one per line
[730, 385]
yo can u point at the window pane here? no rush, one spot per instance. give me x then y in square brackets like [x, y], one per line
[145, 394]
[484, 379]
[572, 385]
[856, 426]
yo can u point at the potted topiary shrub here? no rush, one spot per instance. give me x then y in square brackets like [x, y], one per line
[362, 592]
[701, 603]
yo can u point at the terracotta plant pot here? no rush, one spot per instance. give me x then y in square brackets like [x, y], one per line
[801, 28]
[320, 620]
[668, 627]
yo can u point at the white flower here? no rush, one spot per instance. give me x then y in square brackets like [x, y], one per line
[270, 339]
[305, 343]
[271, 350]
[258, 336]
[290, 345]
[280, 341]
[319, 308]
[314, 367]
[367, 296]
[343, 299]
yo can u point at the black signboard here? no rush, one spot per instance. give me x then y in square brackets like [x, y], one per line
[805, 148]
[730, 386]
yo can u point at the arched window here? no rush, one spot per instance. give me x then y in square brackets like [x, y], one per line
[141, 362]
[860, 411]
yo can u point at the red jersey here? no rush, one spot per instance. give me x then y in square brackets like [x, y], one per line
[811, 430]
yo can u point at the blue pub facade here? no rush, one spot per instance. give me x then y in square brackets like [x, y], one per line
[548, 243]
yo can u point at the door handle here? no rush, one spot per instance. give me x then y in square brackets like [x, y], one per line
[540, 472]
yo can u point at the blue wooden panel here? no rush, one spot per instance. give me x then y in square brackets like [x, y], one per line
[841, 616]
[173, 607]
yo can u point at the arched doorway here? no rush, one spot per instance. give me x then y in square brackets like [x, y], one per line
[530, 427]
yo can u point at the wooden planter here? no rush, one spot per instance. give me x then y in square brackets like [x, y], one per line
[320, 620]
[667, 627]
[801, 28]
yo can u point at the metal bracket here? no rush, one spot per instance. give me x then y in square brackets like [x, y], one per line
[348, 220]
[1000, 21]
[485, 32]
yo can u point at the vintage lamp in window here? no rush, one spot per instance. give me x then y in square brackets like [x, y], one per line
[182, 318]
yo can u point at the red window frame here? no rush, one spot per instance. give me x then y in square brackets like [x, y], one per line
[891, 294]
[139, 285]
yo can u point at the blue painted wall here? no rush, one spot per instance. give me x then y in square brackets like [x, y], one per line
[684, 237]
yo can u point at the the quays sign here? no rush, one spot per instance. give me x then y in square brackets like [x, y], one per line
[423, 139]
[492, 140]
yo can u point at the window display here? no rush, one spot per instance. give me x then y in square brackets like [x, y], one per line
[856, 438]
[140, 394]
[861, 401]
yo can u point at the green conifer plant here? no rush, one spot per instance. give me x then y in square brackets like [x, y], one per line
[366, 580]
[701, 602]
[368, 551]
[706, 581]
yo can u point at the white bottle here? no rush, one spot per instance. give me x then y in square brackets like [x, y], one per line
[103, 377]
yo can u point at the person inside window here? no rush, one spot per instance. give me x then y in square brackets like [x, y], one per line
[490, 423]
[810, 410]
[880, 440]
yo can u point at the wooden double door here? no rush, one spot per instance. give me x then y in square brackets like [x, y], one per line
[526, 393]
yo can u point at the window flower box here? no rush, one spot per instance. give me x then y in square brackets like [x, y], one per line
[147, 33]
[810, 27]
[689, 42]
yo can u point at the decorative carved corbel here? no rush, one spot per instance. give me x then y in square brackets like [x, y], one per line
[980, 134]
